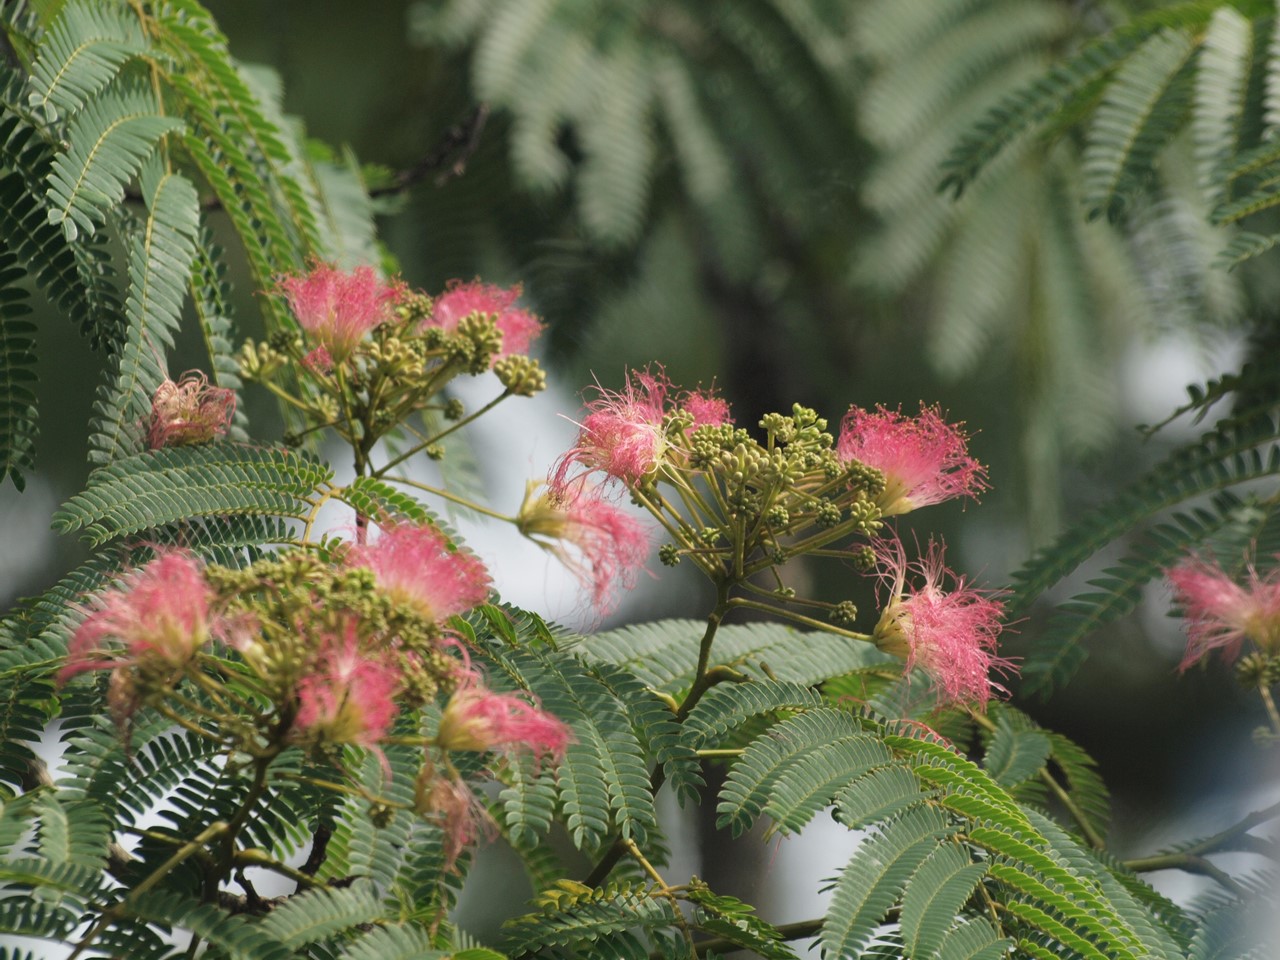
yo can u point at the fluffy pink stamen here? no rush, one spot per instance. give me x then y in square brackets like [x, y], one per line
[1221, 614]
[621, 434]
[519, 328]
[349, 696]
[159, 615]
[417, 565]
[924, 459]
[479, 719]
[950, 633]
[339, 308]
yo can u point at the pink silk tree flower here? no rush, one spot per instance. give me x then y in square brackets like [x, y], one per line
[189, 411]
[339, 308]
[706, 409]
[481, 720]
[418, 566]
[349, 696]
[159, 617]
[519, 328]
[621, 435]
[950, 633]
[1221, 614]
[601, 544]
[924, 459]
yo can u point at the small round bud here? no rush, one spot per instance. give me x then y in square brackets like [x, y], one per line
[381, 815]
[844, 613]
[281, 340]
[829, 514]
[777, 516]
[454, 409]
[669, 554]
[521, 375]
[435, 452]
[864, 558]
[292, 439]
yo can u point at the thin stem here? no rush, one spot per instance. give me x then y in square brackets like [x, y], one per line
[1219, 841]
[1269, 702]
[799, 618]
[452, 497]
[1188, 863]
[462, 422]
[315, 512]
[665, 889]
[253, 857]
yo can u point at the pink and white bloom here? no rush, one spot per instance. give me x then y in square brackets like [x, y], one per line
[601, 544]
[1221, 614]
[949, 633]
[189, 411]
[481, 720]
[924, 459]
[349, 695]
[519, 328]
[621, 435]
[417, 565]
[159, 617]
[339, 308]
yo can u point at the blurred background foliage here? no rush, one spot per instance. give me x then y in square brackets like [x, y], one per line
[748, 192]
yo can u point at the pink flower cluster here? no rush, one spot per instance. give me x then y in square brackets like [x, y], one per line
[622, 434]
[159, 616]
[519, 328]
[338, 308]
[950, 633]
[418, 566]
[924, 459]
[601, 544]
[481, 720]
[1221, 614]
[189, 411]
[348, 696]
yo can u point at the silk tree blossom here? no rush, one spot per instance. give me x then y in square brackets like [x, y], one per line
[948, 631]
[1221, 614]
[189, 411]
[601, 544]
[481, 720]
[924, 459]
[706, 409]
[349, 695]
[416, 564]
[621, 434]
[159, 618]
[519, 328]
[339, 308]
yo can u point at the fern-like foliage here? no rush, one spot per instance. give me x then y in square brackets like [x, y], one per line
[1240, 448]
[17, 359]
[164, 486]
[1010, 271]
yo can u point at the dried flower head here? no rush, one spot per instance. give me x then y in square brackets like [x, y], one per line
[519, 328]
[418, 566]
[479, 719]
[189, 411]
[924, 459]
[950, 633]
[1221, 614]
[461, 814]
[348, 695]
[339, 308]
[601, 544]
[158, 617]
